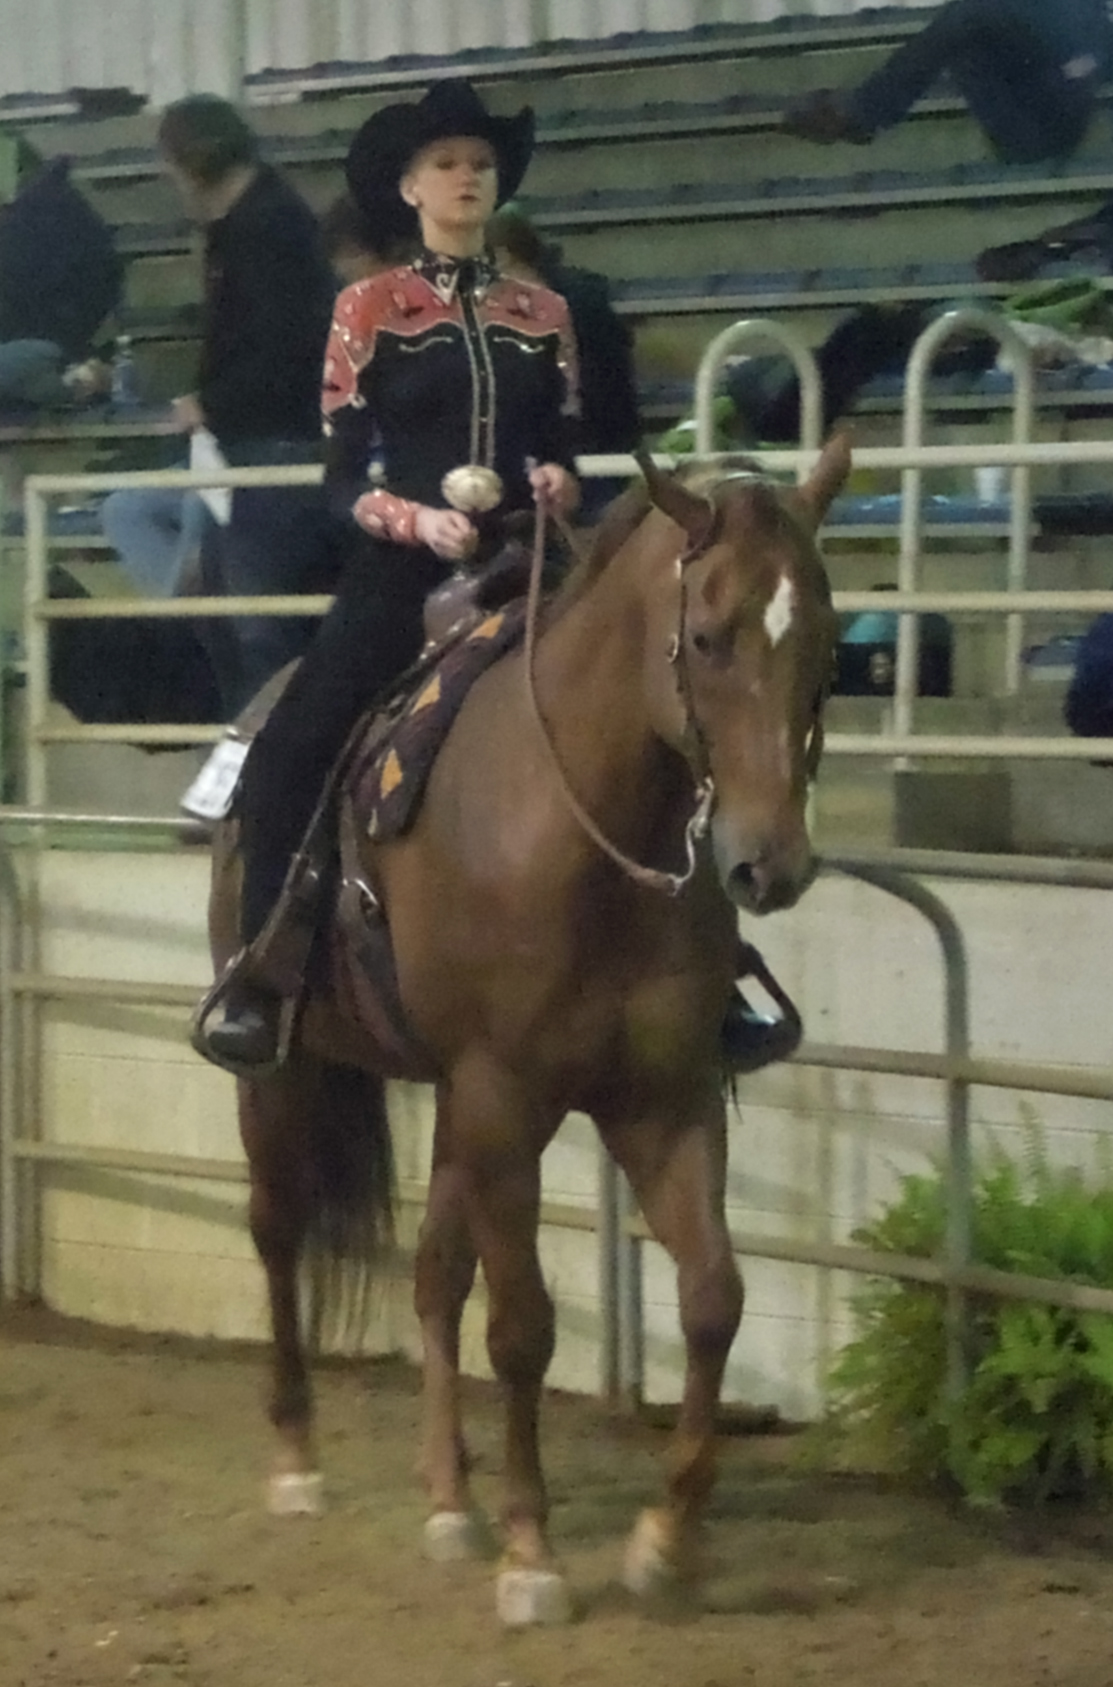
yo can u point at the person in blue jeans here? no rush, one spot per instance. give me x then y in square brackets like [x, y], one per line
[1088, 708]
[1029, 71]
[267, 295]
[157, 534]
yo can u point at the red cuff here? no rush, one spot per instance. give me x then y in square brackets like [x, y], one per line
[387, 517]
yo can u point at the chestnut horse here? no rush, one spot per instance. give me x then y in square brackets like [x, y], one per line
[545, 968]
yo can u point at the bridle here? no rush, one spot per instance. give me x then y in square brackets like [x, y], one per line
[695, 739]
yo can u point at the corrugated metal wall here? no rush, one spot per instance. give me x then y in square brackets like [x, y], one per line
[161, 48]
[165, 48]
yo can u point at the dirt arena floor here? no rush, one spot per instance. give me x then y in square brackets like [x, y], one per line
[134, 1548]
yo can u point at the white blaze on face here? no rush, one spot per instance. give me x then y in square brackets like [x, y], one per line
[778, 611]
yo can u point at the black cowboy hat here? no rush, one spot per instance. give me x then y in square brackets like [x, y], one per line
[385, 145]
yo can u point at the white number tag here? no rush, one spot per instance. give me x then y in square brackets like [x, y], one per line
[210, 795]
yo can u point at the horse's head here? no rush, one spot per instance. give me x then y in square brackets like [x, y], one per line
[747, 620]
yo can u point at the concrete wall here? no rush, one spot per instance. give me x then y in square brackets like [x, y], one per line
[812, 1155]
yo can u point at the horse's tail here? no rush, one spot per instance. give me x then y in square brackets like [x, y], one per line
[350, 1197]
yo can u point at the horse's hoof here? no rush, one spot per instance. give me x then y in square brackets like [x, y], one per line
[296, 1493]
[452, 1536]
[526, 1598]
[647, 1568]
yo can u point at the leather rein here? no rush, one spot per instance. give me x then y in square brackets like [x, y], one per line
[650, 878]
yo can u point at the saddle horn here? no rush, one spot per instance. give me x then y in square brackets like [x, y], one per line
[691, 511]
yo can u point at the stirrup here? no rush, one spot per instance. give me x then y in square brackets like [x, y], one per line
[216, 997]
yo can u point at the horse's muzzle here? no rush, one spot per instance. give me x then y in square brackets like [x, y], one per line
[762, 879]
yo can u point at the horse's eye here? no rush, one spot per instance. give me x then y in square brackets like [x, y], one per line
[716, 645]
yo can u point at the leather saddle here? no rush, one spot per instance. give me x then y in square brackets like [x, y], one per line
[469, 622]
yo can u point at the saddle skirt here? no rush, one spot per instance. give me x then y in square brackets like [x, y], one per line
[391, 765]
[379, 797]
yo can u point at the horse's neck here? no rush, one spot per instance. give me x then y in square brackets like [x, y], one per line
[591, 685]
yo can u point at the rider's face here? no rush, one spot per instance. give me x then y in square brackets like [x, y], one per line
[452, 185]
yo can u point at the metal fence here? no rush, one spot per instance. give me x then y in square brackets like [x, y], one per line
[24, 987]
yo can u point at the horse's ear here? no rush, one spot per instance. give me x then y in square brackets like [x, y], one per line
[828, 477]
[688, 509]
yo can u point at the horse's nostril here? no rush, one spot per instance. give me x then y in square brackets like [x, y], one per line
[743, 884]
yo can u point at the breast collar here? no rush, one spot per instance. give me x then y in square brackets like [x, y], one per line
[449, 276]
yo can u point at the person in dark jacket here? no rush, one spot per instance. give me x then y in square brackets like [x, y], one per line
[267, 282]
[60, 278]
[1029, 71]
[1088, 708]
[609, 420]
[267, 303]
[352, 247]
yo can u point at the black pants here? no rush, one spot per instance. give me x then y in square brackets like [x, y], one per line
[370, 635]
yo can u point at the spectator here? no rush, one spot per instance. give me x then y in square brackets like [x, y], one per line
[268, 293]
[765, 390]
[350, 245]
[59, 279]
[1090, 236]
[158, 534]
[1029, 71]
[866, 656]
[1089, 701]
[608, 388]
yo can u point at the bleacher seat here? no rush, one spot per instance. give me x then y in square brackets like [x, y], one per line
[660, 163]
[73, 522]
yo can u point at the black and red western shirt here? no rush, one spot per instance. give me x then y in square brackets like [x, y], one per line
[445, 362]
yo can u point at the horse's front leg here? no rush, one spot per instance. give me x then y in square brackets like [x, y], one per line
[497, 1137]
[443, 1277]
[278, 1213]
[675, 1159]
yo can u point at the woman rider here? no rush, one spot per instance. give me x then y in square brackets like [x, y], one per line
[424, 368]
[433, 366]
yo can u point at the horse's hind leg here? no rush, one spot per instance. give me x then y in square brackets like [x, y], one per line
[274, 1137]
[443, 1277]
[318, 1145]
[676, 1162]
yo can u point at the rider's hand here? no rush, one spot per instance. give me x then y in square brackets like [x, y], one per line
[188, 414]
[555, 486]
[448, 533]
[90, 379]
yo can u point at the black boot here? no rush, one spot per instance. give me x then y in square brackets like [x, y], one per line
[246, 1038]
[748, 1039]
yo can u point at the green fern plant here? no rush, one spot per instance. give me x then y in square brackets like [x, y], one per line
[1036, 1419]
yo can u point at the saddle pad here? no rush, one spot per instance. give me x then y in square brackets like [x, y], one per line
[389, 780]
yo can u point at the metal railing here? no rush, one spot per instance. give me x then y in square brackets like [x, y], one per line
[902, 742]
[24, 986]
[920, 364]
[728, 343]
